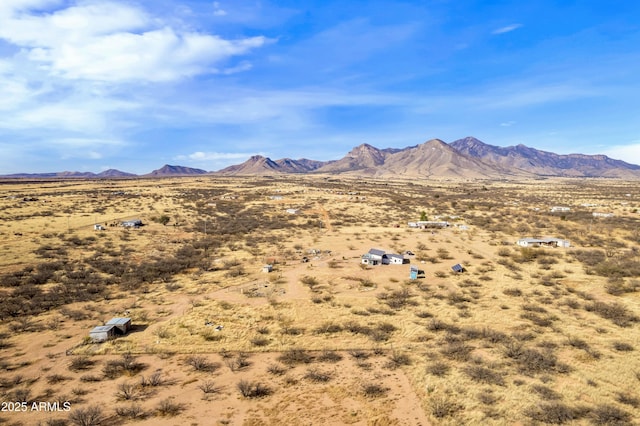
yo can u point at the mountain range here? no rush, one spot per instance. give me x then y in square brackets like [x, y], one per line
[467, 158]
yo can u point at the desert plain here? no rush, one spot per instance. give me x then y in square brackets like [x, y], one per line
[523, 335]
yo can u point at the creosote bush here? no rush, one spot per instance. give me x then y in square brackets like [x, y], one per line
[249, 389]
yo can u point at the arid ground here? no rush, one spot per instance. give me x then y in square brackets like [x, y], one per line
[524, 335]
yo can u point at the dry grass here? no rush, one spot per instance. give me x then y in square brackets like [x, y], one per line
[543, 335]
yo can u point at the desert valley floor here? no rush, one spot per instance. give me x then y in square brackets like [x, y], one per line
[523, 335]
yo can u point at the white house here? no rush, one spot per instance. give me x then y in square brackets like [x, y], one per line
[392, 259]
[292, 211]
[373, 257]
[546, 242]
[377, 257]
[560, 209]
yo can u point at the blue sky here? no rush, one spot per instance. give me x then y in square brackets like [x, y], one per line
[132, 85]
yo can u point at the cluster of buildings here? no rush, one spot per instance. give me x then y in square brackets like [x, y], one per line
[381, 257]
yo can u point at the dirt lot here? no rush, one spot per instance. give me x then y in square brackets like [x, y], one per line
[523, 335]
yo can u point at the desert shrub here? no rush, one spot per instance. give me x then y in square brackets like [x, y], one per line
[208, 387]
[56, 422]
[373, 390]
[628, 399]
[457, 351]
[398, 359]
[531, 361]
[128, 364]
[276, 370]
[545, 392]
[132, 412]
[89, 416]
[588, 257]
[356, 354]
[310, 282]
[484, 375]
[168, 407]
[443, 406]
[127, 391]
[292, 331]
[260, 341]
[617, 286]
[578, 343]
[606, 414]
[614, 312]
[295, 356]
[153, 380]
[250, 389]
[201, 363]
[397, 299]
[504, 252]
[554, 412]
[539, 320]
[56, 378]
[487, 397]
[438, 368]
[328, 328]
[20, 395]
[330, 356]
[622, 346]
[317, 376]
[81, 363]
[493, 336]
[240, 362]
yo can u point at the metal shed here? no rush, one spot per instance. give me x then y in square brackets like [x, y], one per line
[102, 333]
[122, 325]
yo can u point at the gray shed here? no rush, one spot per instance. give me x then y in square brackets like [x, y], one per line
[122, 325]
[102, 333]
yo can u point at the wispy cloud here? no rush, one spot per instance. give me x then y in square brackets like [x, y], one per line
[213, 156]
[629, 153]
[114, 42]
[507, 124]
[217, 9]
[506, 29]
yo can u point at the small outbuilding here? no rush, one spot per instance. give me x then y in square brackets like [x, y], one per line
[133, 223]
[413, 273]
[113, 328]
[393, 259]
[102, 333]
[122, 325]
[267, 268]
[543, 242]
[458, 268]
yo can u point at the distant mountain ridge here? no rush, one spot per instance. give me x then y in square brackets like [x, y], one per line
[467, 158]
[543, 163]
[168, 170]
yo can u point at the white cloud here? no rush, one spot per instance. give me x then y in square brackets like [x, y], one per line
[507, 124]
[213, 156]
[629, 153]
[217, 10]
[506, 29]
[114, 42]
